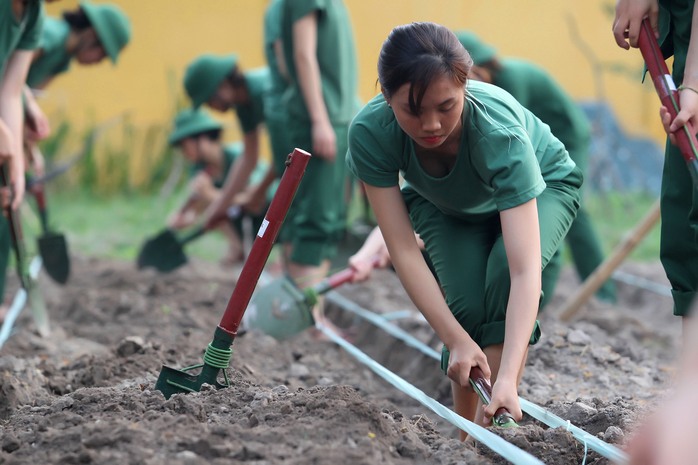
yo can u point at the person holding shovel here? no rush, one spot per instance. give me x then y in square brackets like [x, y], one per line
[20, 27]
[489, 190]
[219, 82]
[198, 137]
[676, 26]
[536, 90]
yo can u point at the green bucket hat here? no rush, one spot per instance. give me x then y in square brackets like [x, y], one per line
[111, 25]
[190, 123]
[204, 75]
[479, 51]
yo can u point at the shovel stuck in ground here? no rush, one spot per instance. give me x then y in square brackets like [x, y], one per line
[281, 309]
[53, 247]
[28, 283]
[165, 250]
[218, 353]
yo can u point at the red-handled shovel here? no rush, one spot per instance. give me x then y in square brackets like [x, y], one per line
[281, 309]
[669, 96]
[482, 387]
[218, 353]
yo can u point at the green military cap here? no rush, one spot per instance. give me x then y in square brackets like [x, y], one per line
[479, 51]
[204, 75]
[111, 25]
[190, 123]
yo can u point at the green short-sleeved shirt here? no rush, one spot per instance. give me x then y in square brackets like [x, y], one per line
[232, 152]
[505, 157]
[19, 35]
[251, 114]
[54, 58]
[336, 56]
[536, 90]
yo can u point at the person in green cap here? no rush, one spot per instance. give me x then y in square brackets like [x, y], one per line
[320, 56]
[20, 26]
[536, 90]
[675, 25]
[489, 190]
[198, 137]
[219, 82]
[87, 35]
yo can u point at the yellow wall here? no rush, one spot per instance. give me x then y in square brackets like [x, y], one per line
[146, 83]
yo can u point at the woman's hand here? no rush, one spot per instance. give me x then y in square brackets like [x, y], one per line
[688, 102]
[629, 16]
[504, 394]
[324, 141]
[465, 354]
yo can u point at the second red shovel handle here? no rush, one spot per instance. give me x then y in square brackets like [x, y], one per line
[668, 94]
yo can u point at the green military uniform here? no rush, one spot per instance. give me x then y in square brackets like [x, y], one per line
[507, 157]
[15, 35]
[536, 90]
[274, 109]
[679, 198]
[316, 220]
[54, 58]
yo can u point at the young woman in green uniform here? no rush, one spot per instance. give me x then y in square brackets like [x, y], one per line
[198, 137]
[675, 24]
[536, 90]
[20, 26]
[219, 82]
[489, 190]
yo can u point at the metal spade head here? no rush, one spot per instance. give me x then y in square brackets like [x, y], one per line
[53, 249]
[163, 252]
[279, 309]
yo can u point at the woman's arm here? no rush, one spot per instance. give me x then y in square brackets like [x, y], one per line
[420, 284]
[521, 234]
[309, 80]
[11, 113]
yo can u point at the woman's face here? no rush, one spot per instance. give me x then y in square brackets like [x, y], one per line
[189, 148]
[90, 50]
[224, 98]
[439, 115]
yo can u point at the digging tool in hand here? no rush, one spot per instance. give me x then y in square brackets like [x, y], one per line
[281, 309]
[669, 96]
[165, 250]
[482, 387]
[29, 284]
[218, 353]
[53, 247]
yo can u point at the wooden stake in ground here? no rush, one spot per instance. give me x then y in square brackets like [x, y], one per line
[595, 280]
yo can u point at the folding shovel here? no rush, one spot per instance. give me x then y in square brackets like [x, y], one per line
[218, 353]
[281, 309]
[28, 283]
[165, 250]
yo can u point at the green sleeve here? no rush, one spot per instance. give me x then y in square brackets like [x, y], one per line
[32, 34]
[301, 8]
[369, 159]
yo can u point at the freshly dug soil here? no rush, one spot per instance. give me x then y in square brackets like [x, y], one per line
[86, 394]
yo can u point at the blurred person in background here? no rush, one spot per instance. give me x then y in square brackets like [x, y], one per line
[676, 26]
[198, 137]
[536, 90]
[320, 57]
[20, 29]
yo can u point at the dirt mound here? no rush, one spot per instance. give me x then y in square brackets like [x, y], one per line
[86, 394]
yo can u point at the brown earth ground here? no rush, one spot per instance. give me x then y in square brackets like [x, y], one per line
[86, 394]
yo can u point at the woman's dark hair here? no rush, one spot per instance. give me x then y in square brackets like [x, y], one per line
[77, 19]
[416, 53]
[213, 134]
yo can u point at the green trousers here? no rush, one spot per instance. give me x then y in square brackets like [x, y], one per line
[316, 220]
[470, 260]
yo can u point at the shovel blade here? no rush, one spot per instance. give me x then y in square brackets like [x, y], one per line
[38, 309]
[53, 249]
[163, 252]
[173, 381]
[279, 309]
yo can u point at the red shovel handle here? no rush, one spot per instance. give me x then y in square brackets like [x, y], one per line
[252, 269]
[345, 276]
[668, 94]
[484, 391]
